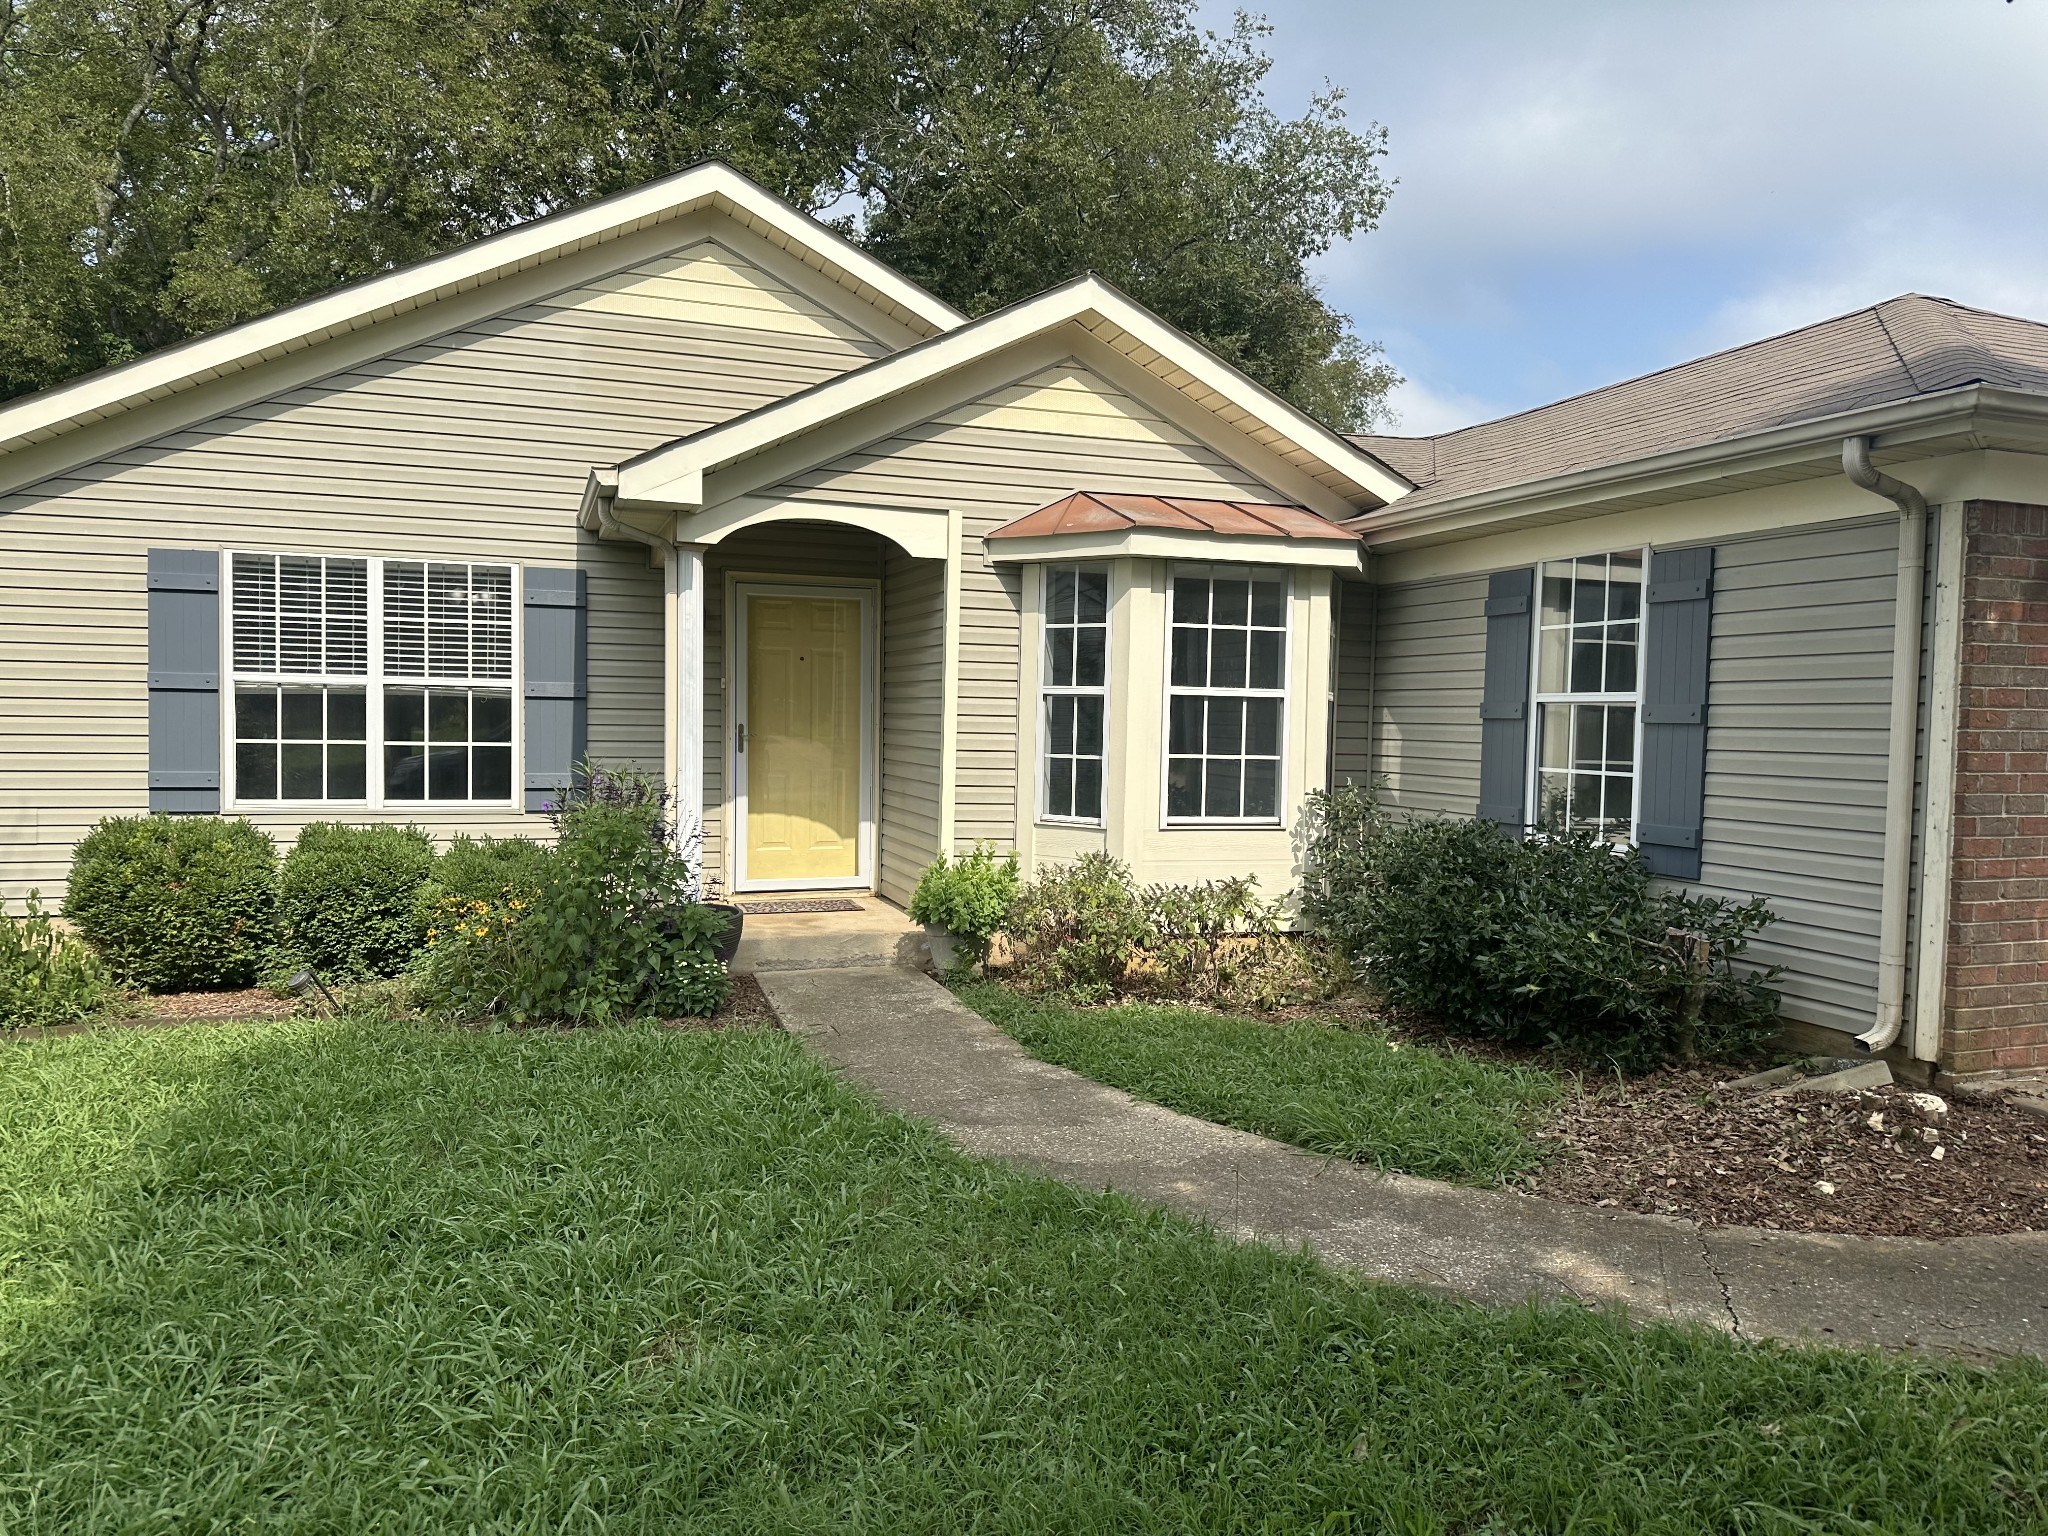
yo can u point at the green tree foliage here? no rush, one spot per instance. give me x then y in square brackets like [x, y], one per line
[173, 166]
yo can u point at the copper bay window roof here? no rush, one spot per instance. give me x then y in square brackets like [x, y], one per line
[1118, 512]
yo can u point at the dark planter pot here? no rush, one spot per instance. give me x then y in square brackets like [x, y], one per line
[735, 924]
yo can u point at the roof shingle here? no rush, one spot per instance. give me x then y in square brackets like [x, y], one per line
[1908, 346]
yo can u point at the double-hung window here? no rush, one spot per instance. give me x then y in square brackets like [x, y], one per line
[371, 681]
[1226, 695]
[1074, 692]
[1588, 680]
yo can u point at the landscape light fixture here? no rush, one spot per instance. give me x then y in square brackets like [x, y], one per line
[305, 984]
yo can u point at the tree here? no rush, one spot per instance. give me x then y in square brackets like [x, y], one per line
[172, 166]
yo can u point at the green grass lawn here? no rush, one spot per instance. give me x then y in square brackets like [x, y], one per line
[362, 1276]
[1348, 1092]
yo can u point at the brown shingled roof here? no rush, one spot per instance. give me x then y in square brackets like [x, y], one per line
[1115, 511]
[1908, 346]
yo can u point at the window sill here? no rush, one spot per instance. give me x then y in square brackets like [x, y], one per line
[1206, 824]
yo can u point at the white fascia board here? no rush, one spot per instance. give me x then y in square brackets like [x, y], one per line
[1176, 544]
[100, 395]
[660, 475]
[1977, 410]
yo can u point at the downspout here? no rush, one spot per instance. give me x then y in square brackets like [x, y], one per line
[1901, 740]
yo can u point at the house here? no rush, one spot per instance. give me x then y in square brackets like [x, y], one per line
[683, 479]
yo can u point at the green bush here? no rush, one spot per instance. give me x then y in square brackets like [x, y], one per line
[348, 900]
[485, 869]
[969, 896]
[612, 929]
[176, 903]
[1558, 940]
[1087, 932]
[46, 976]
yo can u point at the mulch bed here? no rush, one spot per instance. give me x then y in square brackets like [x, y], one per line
[250, 1003]
[1675, 1144]
[746, 1007]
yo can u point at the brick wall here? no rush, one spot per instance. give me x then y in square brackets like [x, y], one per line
[1996, 1010]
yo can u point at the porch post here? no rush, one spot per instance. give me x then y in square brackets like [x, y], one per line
[683, 698]
[949, 706]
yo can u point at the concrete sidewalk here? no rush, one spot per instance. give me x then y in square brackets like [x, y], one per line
[908, 1042]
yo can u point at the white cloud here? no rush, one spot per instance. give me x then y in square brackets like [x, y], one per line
[1727, 170]
[1421, 410]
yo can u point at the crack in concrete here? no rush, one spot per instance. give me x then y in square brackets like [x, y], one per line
[1727, 1294]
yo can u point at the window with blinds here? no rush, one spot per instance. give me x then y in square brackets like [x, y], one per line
[371, 681]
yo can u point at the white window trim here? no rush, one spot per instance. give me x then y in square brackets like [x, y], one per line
[1047, 689]
[1285, 694]
[1532, 780]
[373, 683]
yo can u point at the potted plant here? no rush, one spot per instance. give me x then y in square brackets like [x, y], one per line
[962, 902]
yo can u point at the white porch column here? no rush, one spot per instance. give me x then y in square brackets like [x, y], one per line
[949, 716]
[683, 662]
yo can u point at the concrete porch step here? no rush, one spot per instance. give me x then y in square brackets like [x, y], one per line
[878, 934]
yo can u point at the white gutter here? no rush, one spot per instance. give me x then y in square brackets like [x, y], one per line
[1901, 739]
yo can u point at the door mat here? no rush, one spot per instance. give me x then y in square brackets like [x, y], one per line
[800, 904]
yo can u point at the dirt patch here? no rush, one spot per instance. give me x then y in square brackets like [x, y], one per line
[249, 1003]
[1676, 1144]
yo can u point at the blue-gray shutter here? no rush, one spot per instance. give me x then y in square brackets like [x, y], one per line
[557, 727]
[184, 681]
[1504, 707]
[1677, 623]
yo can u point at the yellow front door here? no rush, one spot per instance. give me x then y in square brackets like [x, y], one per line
[802, 745]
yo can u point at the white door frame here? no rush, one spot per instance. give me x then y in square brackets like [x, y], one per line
[866, 594]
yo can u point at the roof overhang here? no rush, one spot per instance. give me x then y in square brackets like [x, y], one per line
[675, 477]
[713, 185]
[1975, 416]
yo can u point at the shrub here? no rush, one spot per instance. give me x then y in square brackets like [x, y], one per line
[1087, 932]
[348, 900]
[485, 869]
[1559, 940]
[969, 896]
[46, 976]
[176, 903]
[612, 930]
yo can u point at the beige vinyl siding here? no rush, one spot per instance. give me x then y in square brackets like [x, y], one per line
[913, 718]
[1798, 702]
[473, 445]
[1352, 686]
[1429, 671]
[813, 551]
[1032, 454]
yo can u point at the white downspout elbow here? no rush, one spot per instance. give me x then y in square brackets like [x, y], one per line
[1901, 740]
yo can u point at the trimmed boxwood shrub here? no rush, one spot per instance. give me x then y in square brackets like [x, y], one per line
[348, 900]
[176, 903]
[1547, 940]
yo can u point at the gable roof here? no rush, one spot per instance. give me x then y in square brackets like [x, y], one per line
[674, 474]
[1115, 511]
[1901, 349]
[712, 184]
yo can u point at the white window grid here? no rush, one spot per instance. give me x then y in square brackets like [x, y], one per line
[1278, 695]
[1614, 631]
[505, 666]
[1053, 696]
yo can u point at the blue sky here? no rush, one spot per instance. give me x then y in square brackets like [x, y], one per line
[1590, 191]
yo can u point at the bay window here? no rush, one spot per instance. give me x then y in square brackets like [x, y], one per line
[1226, 695]
[1588, 688]
[370, 681]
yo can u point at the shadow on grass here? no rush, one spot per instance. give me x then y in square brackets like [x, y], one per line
[354, 1274]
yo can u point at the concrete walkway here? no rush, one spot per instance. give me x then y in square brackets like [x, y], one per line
[907, 1041]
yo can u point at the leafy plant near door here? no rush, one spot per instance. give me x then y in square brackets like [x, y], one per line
[47, 976]
[967, 898]
[612, 928]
